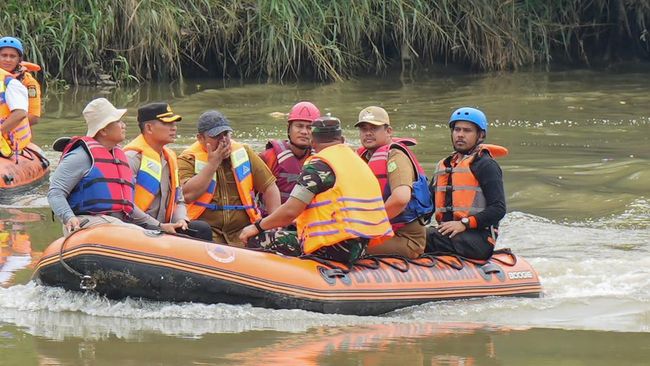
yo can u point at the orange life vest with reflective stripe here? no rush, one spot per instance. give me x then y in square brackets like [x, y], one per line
[33, 93]
[241, 168]
[353, 208]
[147, 184]
[457, 189]
[21, 135]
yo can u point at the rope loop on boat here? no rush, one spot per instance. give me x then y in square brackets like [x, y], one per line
[509, 252]
[86, 282]
[440, 258]
[343, 268]
[368, 262]
[404, 267]
[433, 260]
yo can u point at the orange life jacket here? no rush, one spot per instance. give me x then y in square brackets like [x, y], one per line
[30, 66]
[21, 135]
[454, 179]
[33, 93]
[241, 168]
[147, 184]
[353, 208]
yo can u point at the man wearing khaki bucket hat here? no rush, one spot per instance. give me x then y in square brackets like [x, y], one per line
[93, 183]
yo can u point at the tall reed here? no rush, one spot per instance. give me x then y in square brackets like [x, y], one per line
[78, 41]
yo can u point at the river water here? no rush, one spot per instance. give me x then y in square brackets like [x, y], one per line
[577, 181]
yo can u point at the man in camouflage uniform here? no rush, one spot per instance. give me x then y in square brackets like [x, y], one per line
[316, 178]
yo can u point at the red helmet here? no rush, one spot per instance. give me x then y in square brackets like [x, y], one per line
[303, 111]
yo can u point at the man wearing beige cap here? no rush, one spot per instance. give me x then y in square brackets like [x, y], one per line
[154, 166]
[93, 183]
[402, 180]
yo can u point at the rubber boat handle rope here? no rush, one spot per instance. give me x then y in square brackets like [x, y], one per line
[87, 283]
[509, 253]
[373, 262]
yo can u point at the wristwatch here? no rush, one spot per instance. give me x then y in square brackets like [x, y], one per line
[465, 221]
[258, 225]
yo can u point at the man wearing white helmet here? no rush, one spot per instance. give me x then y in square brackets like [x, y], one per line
[468, 190]
[286, 157]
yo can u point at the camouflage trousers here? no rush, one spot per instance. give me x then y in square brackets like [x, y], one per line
[286, 242]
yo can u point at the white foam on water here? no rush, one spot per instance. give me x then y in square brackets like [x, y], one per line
[595, 275]
[56, 313]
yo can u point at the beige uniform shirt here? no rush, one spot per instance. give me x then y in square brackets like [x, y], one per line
[410, 240]
[227, 224]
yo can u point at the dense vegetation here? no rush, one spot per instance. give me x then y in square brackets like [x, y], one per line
[85, 40]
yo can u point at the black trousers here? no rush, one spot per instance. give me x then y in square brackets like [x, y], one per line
[197, 229]
[474, 244]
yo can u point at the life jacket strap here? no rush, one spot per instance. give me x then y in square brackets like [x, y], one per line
[213, 207]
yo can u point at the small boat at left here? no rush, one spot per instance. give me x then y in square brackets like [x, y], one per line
[23, 171]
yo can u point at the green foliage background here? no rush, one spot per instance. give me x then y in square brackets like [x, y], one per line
[77, 41]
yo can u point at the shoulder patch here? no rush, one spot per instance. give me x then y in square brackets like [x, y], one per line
[392, 166]
[31, 91]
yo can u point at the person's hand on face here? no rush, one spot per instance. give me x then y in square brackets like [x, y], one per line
[218, 148]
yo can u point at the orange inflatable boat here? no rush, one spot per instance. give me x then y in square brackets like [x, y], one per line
[119, 262]
[23, 171]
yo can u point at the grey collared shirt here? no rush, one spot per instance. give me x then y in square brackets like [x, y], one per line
[65, 178]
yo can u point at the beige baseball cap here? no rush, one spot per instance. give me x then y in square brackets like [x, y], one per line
[99, 113]
[374, 115]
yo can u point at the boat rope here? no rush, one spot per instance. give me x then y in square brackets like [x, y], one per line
[430, 260]
[383, 258]
[86, 283]
[509, 252]
[329, 263]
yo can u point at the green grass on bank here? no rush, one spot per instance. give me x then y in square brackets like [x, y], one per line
[84, 40]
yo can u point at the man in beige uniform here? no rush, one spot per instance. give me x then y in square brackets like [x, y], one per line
[222, 209]
[404, 187]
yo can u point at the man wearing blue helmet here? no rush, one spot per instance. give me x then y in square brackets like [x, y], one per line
[12, 61]
[468, 190]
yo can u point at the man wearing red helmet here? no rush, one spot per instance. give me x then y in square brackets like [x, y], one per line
[286, 157]
[468, 190]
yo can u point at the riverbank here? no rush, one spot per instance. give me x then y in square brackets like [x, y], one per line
[98, 42]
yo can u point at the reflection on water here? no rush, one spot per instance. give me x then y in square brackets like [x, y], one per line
[578, 210]
[387, 344]
[16, 251]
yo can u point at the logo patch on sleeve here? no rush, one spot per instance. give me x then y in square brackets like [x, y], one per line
[31, 91]
[392, 166]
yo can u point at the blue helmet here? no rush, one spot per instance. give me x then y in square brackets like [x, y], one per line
[13, 43]
[469, 114]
